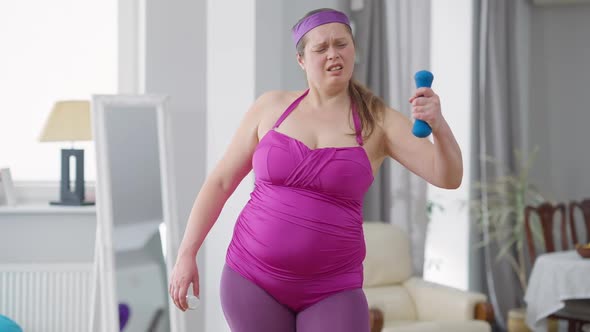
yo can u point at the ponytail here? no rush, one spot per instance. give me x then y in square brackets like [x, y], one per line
[369, 106]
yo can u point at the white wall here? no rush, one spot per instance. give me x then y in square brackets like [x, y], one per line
[174, 55]
[269, 45]
[131, 46]
[230, 72]
[560, 112]
[447, 247]
[48, 243]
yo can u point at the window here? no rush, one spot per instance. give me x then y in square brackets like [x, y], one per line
[54, 50]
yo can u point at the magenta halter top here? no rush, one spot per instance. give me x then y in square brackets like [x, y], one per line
[300, 235]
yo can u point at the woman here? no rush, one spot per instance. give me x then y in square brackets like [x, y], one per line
[295, 259]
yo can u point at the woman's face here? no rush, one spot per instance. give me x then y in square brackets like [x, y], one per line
[328, 57]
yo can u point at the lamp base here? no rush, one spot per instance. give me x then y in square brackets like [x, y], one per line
[68, 195]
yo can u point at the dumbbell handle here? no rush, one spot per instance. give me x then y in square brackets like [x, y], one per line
[423, 78]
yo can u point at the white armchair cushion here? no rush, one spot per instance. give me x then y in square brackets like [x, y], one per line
[410, 304]
[388, 259]
[409, 326]
[393, 301]
[442, 303]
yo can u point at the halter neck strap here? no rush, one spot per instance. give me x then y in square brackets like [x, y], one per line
[355, 117]
[290, 109]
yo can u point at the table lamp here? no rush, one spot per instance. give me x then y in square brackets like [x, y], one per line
[69, 120]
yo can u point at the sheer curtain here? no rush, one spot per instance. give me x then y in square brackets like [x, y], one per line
[500, 117]
[393, 41]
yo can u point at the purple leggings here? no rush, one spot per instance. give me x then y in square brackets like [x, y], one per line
[248, 308]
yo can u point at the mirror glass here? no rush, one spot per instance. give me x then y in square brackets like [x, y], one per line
[131, 206]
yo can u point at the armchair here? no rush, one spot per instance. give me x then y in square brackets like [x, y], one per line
[400, 302]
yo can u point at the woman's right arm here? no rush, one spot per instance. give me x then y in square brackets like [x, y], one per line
[235, 164]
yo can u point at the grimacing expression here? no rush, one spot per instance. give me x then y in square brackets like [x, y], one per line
[329, 54]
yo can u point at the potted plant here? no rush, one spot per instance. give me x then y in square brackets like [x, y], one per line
[500, 207]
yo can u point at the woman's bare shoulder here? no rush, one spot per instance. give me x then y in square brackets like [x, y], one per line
[277, 97]
[271, 105]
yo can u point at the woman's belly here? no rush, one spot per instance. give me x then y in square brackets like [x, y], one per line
[299, 234]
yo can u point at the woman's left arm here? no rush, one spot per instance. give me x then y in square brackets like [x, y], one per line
[440, 163]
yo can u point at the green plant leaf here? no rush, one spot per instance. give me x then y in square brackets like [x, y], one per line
[498, 207]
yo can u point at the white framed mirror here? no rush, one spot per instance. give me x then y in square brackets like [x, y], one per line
[136, 214]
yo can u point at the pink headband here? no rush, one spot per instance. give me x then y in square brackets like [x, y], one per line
[317, 19]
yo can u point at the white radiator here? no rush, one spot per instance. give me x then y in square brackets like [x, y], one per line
[47, 297]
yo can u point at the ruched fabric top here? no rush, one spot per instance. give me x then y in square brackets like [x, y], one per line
[300, 235]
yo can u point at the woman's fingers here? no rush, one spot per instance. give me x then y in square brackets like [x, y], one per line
[426, 106]
[183, 274]
[421, 92]
[177, 291]
[182, 291]
[174, 296]
[171, 291]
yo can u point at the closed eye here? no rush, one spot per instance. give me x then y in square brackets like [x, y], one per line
[320, 48]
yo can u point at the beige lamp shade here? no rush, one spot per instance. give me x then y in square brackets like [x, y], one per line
[69, 121]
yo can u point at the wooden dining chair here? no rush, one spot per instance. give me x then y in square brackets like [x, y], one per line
[584, 206]
[546, 213]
